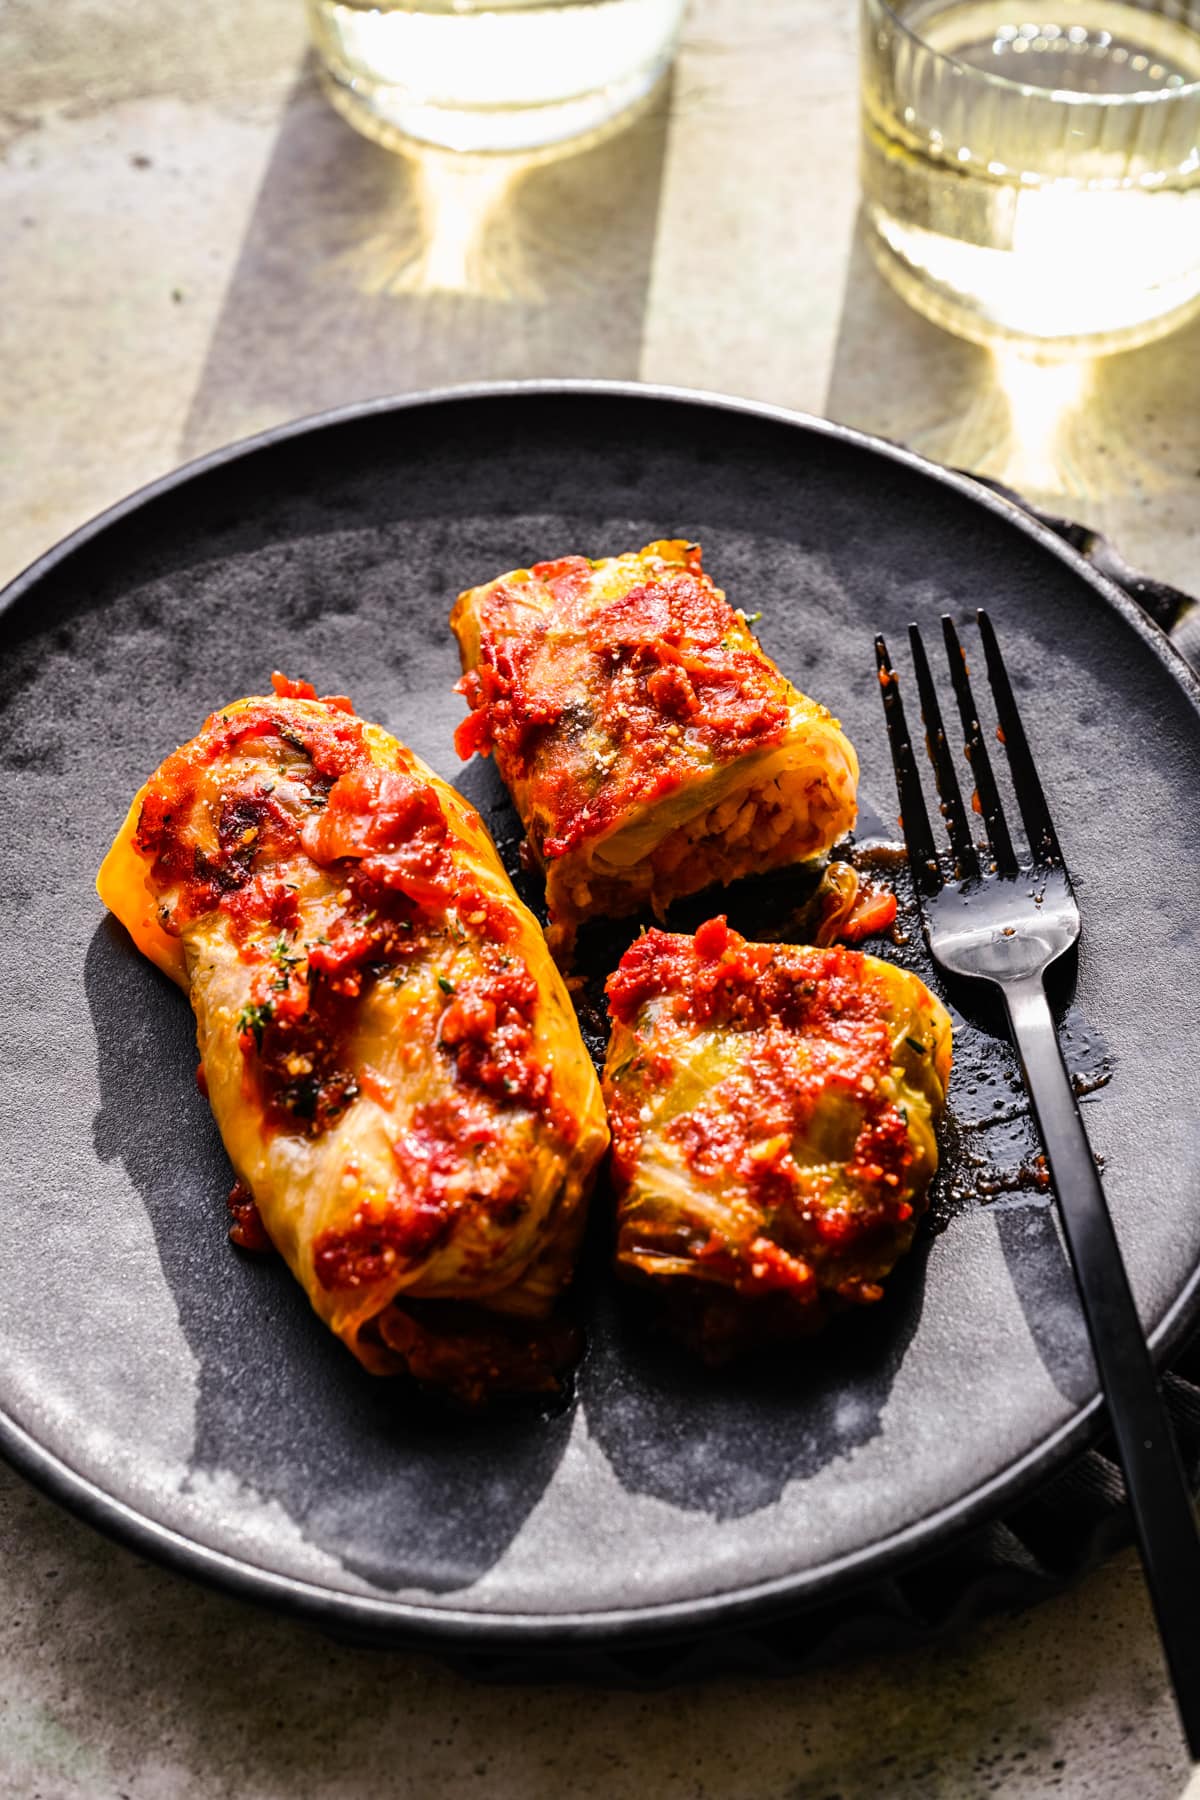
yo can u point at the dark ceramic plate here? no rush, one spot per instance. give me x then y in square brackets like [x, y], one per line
[186, 1399]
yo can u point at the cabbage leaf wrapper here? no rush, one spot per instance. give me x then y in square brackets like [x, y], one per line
[651, 747]
[388, 1049]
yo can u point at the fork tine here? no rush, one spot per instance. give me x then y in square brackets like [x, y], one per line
[1043, 839]
[914, 819]
[977, 756]
[943, 763]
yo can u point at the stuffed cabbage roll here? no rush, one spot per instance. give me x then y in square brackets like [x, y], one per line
[650, 745]
[772, 1111]
[390, 1054]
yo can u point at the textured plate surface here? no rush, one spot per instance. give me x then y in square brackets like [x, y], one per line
[184, 1396]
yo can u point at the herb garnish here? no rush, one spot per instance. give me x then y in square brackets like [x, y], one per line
[255, 1018]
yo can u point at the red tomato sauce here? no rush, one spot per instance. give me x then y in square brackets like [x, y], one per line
[247, 1230]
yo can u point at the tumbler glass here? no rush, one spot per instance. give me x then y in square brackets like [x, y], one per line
[491, 74]
[1031, 168]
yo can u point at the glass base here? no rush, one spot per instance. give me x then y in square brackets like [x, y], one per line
[1144, 315]
[392, 117]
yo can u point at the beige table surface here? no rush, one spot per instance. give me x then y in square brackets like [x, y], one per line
[194, 247]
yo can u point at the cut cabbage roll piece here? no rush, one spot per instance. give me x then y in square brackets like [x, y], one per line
[650, 745]
[772, 1110]
[388, 1049]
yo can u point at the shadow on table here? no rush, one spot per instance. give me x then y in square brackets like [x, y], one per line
[1079, 436]
[366, 271]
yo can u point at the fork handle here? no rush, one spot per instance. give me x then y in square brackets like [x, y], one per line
[1163, 1514]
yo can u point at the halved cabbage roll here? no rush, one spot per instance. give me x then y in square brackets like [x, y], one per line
[391, 1056]
[772, 1110]
[650, 745]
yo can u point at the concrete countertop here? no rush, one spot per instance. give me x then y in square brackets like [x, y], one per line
[196, 248]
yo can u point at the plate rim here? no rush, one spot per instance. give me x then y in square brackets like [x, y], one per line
[389, 1620]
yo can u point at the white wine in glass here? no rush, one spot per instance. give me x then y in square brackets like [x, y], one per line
[491, 74]
[1031, 168]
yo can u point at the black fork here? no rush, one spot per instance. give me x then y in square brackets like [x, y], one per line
[1004, 919]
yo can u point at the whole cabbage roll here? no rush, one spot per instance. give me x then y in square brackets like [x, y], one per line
[772, 1110]
[390, 1054]
[650, 745]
